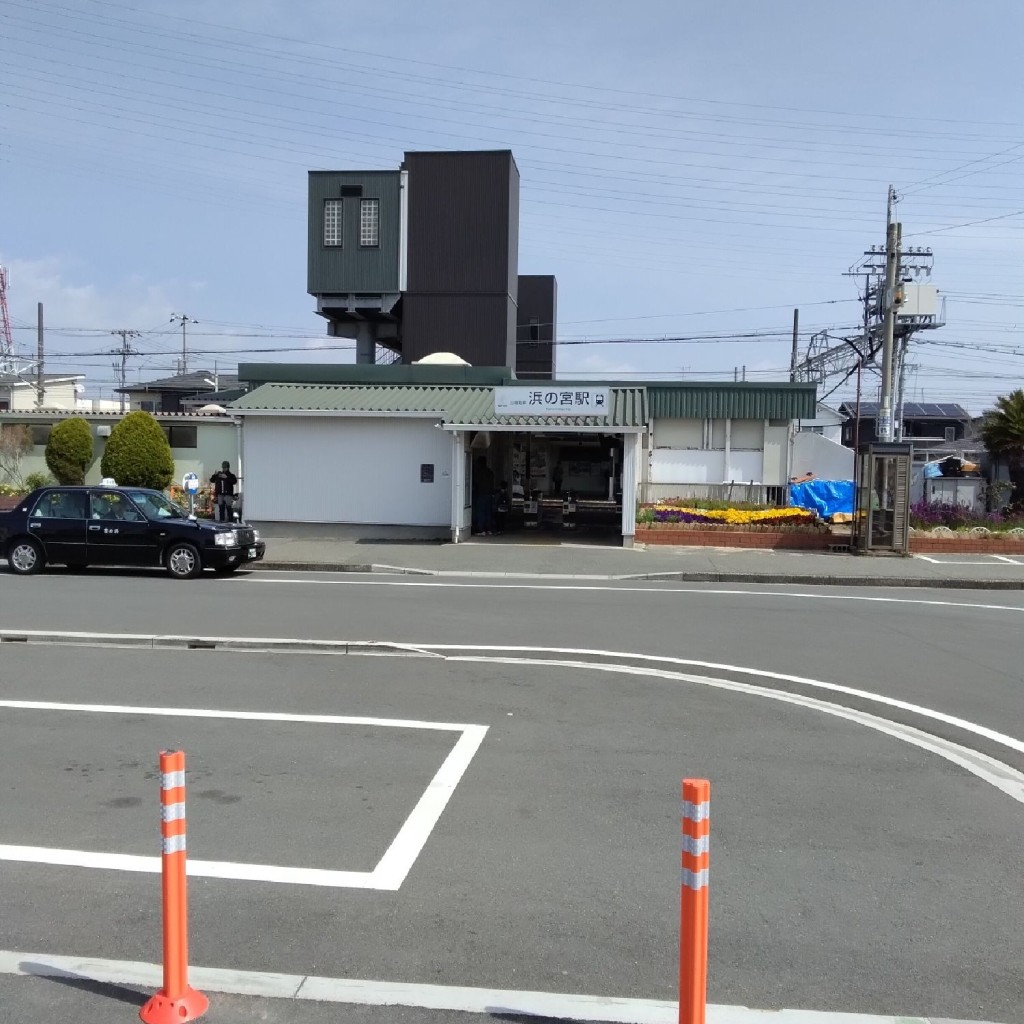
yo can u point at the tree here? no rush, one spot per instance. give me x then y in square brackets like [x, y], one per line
[15, 444]
[138, 453]
[69, 450]
[1003, 434]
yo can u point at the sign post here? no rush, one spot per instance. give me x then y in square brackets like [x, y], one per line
[190, 482]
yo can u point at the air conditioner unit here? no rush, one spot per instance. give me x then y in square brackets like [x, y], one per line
[103, 430]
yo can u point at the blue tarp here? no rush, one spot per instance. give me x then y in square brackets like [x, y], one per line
[826, 497]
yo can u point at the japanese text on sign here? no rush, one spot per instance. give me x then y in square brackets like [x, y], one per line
[551, 401]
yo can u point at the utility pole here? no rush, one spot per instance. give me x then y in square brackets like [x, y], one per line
[124, 352]
[893, 237]
[40, 380]
[794, 355]
[184, 319]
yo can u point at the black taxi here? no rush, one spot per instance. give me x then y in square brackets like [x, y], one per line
[131, 526]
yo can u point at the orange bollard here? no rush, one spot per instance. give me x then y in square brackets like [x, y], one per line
[175, 1002]
[693, 912]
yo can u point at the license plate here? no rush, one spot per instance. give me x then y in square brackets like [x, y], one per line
[252, 552]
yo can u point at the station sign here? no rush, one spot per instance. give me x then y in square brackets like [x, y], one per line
[552, 400]
[190, 483]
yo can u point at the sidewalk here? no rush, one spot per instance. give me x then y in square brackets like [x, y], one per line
[333, 548]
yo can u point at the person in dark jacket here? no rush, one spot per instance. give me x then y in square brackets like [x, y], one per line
[483, 498]
[224, 484]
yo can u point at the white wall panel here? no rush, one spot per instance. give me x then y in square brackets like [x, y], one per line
[327, 469]
[745, 467]
[674, 466]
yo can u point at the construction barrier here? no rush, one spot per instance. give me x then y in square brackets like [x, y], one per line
[693, 911]
[175, 1002]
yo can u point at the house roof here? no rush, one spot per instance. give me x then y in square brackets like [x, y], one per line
[462, 406]
[912, 410]
[196, 380]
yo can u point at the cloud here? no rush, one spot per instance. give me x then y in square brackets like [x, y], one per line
[131, 302]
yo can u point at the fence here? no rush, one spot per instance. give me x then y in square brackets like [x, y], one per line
[752, 493]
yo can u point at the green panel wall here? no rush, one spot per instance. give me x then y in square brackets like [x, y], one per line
[350, 267]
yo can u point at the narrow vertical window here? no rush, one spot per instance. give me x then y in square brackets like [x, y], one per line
[369, 222]
[332, 222]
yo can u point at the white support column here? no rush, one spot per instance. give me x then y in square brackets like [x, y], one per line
[630, 480]
[458, 484]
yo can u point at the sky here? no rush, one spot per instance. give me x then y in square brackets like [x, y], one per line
[691, 173]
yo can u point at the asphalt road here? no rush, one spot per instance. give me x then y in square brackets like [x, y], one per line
[852, 869]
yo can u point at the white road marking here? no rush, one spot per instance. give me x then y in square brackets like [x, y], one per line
[390, 871]
[445, 998]
[965, 561]
[1006, 558]
[661, 591]
[1004, 778]
[309, 645]
[917, 709]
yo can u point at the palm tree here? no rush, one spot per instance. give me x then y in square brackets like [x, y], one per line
[1003, 434]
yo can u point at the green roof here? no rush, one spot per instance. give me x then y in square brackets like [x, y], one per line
[468, 406]
[735, 400]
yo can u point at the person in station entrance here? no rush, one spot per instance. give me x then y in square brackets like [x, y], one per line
[483, 498]
[224, 483]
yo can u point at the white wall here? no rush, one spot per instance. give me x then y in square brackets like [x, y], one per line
[827, 460]
[685, 466]
[776, 453]
[55, 396]
[827, 422]
[335, 469]
[695, 451]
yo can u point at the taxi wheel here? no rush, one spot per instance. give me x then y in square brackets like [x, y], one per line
[183, 562]
[25, 557]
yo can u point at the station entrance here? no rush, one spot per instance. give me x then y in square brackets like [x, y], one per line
[546, 486]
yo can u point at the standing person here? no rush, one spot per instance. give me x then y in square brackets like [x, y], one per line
[483, 498]
[224, 483]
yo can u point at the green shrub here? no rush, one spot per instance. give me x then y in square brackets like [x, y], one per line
[138, 453]
[69, 450]
[34, 480]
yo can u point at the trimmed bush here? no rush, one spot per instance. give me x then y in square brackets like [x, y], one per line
[69, 450]
[138, 453]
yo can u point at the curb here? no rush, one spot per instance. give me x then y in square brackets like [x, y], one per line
[791, 579]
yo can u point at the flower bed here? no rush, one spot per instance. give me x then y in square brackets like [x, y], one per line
[677, 513]
[723, 525]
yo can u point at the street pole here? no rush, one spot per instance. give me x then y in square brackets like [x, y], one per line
[40, 379]
[892, 249]
[794, 354]
[185, 320]
[124, 352]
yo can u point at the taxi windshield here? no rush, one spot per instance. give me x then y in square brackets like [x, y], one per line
[156, 506]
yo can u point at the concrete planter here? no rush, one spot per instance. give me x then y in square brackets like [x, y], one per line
[732, 537]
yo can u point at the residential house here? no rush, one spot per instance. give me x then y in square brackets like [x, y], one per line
[18, 391]
[175, 394]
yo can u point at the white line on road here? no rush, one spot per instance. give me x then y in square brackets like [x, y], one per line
[245, 716]
[917, 709]
[1004, 778]
[1006, 558]
[390, 871]
[665, 588]
[450, 998]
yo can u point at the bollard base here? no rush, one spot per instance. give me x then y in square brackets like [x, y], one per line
[161, 1010]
